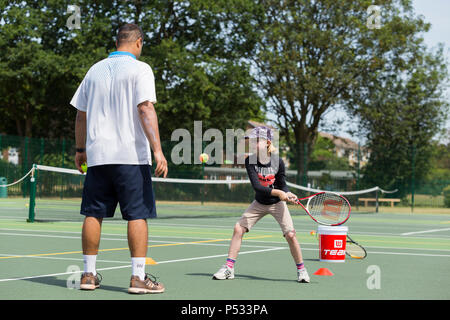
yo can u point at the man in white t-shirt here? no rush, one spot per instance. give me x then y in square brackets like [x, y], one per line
[115, 126]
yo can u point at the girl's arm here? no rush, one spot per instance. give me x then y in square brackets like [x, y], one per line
[253, 177]
[280, 179]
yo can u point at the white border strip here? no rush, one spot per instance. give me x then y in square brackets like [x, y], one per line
[425, 231]
[129, 265]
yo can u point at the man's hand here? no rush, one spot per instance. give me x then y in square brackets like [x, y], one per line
[161, 164]
[80, 158]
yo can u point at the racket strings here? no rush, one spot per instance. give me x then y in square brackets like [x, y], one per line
[355, 251]
[328, 207]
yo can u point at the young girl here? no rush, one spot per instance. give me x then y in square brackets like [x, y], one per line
[266, 172]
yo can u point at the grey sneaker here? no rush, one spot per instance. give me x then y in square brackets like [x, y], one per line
[224, 273]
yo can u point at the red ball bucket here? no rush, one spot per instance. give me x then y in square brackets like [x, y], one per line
[332, 242]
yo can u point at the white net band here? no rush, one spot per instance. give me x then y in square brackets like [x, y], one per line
[205, 181]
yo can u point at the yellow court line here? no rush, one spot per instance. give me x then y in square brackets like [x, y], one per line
[118, 249]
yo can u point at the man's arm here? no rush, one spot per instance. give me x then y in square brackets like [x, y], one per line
[149, 122]
[80, 139]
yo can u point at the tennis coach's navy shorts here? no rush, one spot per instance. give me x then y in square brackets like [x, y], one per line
[128, 185]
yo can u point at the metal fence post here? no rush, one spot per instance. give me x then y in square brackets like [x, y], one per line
[413, 177]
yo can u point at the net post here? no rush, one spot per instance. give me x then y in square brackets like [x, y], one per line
[63, 151]
[413, 176]
[32, 204]
[305, 165]
[203, 176]
[376, 201]
[41, 151]
[203, 187]
[25, 164]
[357, 176]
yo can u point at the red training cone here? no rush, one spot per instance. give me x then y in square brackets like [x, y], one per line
[323, 272]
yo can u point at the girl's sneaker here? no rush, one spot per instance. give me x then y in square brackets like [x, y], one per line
[224, 273]
[302, 276]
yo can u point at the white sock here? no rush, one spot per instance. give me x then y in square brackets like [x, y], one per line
[138, 267]
[89, 263]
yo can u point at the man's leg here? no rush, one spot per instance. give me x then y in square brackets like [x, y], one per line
[90, 235]
[138, 242]
[90, 241]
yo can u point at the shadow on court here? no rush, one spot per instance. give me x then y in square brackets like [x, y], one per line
[54, 281]
[243, 277]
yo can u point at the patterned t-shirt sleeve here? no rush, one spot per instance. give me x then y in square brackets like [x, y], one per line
[79, 99]
[145, 85]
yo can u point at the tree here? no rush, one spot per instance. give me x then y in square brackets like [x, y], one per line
[312, 56]
[43, 61]
[401, 113]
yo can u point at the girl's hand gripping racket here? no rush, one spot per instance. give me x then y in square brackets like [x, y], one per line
[327, 208]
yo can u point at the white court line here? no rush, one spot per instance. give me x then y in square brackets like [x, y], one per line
[201, 238]
[205, 257]
[425, 231]
[129, 265]
[123, 239]
[256, 228]
[410, 254]
[104, 234]
[55, 258]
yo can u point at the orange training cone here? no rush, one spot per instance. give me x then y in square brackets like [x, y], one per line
[323, 272]
[150, 261]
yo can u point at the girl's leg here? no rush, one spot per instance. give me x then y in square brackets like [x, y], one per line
[227, 271]
[296, 251]
[236, 241]
[253, 213]
[294, 246]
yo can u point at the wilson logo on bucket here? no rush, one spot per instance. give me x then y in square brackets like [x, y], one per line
[338, 243]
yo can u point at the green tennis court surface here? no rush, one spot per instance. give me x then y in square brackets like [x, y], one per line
[408, 253]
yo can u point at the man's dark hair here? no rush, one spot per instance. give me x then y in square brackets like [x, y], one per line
[128, 33]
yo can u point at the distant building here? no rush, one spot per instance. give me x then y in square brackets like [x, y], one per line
[347, 148]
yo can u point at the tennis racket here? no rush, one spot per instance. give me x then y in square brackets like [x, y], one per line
[355, 250]
[327, 208]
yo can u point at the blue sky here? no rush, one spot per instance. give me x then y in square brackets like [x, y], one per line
[435, 12]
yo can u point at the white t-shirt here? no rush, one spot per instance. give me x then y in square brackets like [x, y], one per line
[109, 94]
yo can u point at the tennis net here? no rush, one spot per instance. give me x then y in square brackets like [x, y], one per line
[55, 194]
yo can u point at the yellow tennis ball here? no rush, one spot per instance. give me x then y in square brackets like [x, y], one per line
[204, 158]
[84, 167]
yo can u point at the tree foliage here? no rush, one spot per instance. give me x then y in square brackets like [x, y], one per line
[312, 56]
[43, 61]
